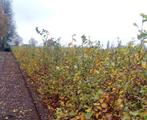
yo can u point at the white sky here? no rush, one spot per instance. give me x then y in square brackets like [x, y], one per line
[101, 19]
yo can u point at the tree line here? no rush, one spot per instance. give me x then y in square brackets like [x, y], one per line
[8, 34]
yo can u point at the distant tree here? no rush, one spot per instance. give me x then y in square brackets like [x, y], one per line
[50, 42]
[3, 23]
[108, 44]
[11, 23]
[9, 26]
[119, 44]
[33, 42]
[3, 27]
[17, 40]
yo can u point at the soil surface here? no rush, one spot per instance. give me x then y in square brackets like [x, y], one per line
[15, 100]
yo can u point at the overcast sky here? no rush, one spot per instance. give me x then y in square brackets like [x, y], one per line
[101, 19]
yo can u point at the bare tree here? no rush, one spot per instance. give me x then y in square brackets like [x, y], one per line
[33, 42]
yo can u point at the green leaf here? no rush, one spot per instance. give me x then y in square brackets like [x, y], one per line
[143, 90]
[88, 115]
[142, 35]
[145, 117]
[135, 113]
[98, 93]
[126, 116]
[143, 15]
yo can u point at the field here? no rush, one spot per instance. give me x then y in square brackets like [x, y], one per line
[89, 83]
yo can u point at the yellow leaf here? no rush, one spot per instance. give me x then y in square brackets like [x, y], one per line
[144, 65]
[97, 115]
[104, 105]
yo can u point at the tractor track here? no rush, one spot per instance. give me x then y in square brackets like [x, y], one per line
[17, 94]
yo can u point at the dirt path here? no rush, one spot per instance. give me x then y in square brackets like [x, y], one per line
[15, 100]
